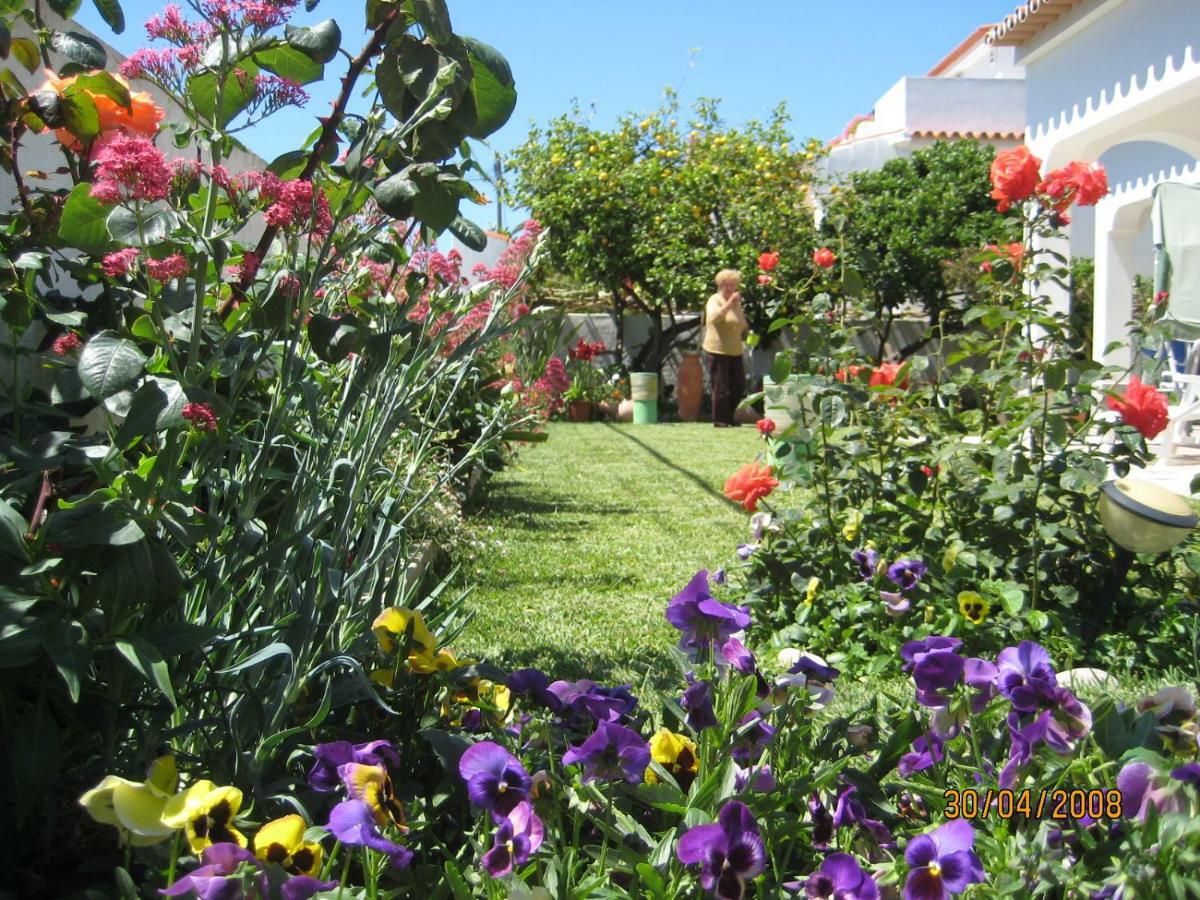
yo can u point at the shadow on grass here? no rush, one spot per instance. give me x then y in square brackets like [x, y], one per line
[508, 500]
[602, 668]
[697, 480]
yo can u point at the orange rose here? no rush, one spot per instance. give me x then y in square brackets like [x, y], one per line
[142, 117]
[1015, 176]
[749, 484]
[1076, 182]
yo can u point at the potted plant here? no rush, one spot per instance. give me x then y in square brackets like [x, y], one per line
[586, 380]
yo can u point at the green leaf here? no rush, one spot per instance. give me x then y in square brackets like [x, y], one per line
[288, 62]
[157, 405]
[65, 8]
[433, 17]
[84, 222]
[79, 115]
[12, 532]
[396, 195]
[110, 11]
[469, 233]
[66, 643]
[492, 87]
[103, 83]
[26, 52]
[335, 339]
[146, 659]
[448, 748]
[178, 638]
[107, 524]
[236, 96]
[155, 228]
[269, 652]
[79, 48]
[5, 40]
[109, 363]
[457, 884]
[320, 42]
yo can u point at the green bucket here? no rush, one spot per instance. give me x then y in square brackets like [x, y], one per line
[643, 388]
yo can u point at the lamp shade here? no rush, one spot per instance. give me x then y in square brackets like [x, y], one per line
[1143, 517]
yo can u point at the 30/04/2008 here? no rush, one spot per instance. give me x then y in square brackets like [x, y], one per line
[1060, 804]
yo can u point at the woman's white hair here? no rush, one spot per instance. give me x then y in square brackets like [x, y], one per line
[728, 275]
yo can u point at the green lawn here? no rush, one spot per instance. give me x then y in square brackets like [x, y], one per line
[583, 539]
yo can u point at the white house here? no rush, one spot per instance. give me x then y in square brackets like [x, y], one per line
[1116, 81]
[976, 91]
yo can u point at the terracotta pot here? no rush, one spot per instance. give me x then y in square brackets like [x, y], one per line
[689, 387]
[580, 410]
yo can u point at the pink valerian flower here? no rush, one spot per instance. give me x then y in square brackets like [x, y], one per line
[173, 266]
[184, 172]
[245, 272]
[289, 286]
[201, 416]
[167, 66]
[507, 270]
[519, 311]
[272, 93]
[172, 27]
[129, 168]
[118, 263]
[420, 310]
[295, 202]
[469, 324]
[66, 344]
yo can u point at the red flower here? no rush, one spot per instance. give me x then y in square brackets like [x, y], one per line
[201, 416]
[885, 376]
[173, 266]
[1143, 407]
[749, 484]
[930, 471]
[765, 426]
[824, 257]
[118, 263]
[1015, 176]
[768, 261]
[764, 280]
[1161, 297]
[66, 344]
[848, 374]
[1076, 182]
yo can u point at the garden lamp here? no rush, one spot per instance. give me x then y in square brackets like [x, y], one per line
[1139, 517]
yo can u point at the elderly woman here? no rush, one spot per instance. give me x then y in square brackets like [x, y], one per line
[724, 325]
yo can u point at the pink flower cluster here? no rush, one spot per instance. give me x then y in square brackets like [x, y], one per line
[201, 416]
[295, 202]
[66, 344]
[118, 263]
[173, 27]
[168, 66]
[129, 168]
[472, 322]
[508, 268]
[173, 266]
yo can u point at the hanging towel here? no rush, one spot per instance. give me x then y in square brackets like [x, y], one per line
[1176, 223]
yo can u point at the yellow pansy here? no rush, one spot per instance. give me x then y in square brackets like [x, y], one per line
[973, 606]
[674, 752]
[814, 585]
[206, 814]
[854, 522]
[394, 622]
[282, 842]
[950, 557]
[135, 808]
[442, 661]
[372, 786]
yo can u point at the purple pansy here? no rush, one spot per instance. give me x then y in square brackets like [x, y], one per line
[612, 753]
[735, 653]
[745, 551]
[303, 887]
[896, 604]
[587, 699]
[850, 811]
[757, 778]
[943, 862]
[353, 823]
[1190, 774]
[534, 684]
[936, 675]
[822, 823]
[332, 756]
[926, 751]
[718, 577]
[751, 739]
[1025, 676]
[1024, 738]
[1142, 786]
[730, 852]
[867, 562]
[1069, 722]
[906, 574]
[496, 780]
[697, 700]
[913, 650]
[517, 838]
[841, 878]
[703, 620]
[814, 668]
[215, 877]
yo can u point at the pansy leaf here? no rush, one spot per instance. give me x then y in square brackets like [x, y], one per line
[448, 748]
[82, 49]
[143, 656]
[109, 363]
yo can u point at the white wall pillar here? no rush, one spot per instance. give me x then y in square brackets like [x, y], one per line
[1113, 306]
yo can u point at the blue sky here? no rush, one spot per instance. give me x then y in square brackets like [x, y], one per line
[829, 59]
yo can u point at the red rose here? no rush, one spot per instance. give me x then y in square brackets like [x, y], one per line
[764, 280]
[1143, 407]
[749, 484]
[825, 258]
[1076, 182]
[768, 261]
[928, 471]
[765, 426]
[1015, 175]
[885, 376]
[1161, 297]
[848, 374]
